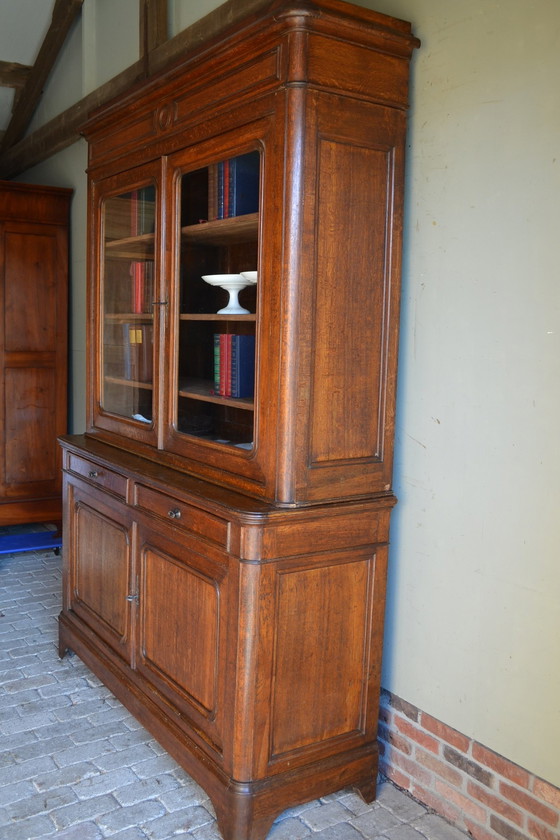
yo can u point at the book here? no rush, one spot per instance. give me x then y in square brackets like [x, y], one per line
[137, 275]
[243, 184]
[243, 366]
[142, 275]
[225, 365]
[234, 365]
[233, 186]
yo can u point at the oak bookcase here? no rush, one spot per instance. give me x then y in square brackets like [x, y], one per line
[225, 556]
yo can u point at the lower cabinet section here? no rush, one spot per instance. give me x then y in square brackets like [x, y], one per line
[246, 638]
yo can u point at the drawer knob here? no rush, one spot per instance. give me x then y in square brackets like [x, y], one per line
[93, 474]
[174, 513]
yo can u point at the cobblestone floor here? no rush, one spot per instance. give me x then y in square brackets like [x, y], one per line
[73, 762]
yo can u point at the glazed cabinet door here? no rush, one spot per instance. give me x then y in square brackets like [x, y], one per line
[124, 304]
[222, 304]
[182, 628]
[100, 584]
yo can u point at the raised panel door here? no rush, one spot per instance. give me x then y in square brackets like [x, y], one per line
[33, 354]
[182, 638]
[101, 584]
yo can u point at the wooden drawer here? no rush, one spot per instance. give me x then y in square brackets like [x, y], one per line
[97, 474]
[190, 518]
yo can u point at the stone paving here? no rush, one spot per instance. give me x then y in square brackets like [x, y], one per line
[75, 764]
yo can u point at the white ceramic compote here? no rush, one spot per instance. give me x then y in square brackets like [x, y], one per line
[250, 276]
[233, 283]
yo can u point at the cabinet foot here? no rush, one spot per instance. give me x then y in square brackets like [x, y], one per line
[367, 790]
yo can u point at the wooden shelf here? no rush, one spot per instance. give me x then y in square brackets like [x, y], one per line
[224, 231]
[131, 248]
[129, 383]
[202, 389]
[126, 317]
[195, 316]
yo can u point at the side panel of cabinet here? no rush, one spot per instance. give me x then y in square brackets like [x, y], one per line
[98, 554]
[350, 290]
[33, 266]
[182, 627]
[309, 659]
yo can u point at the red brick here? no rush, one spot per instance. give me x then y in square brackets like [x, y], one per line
[541, 832]
[467, 806]
[501, 765]
[395, 775]
[549, 793]
[406, 708]
[440, 806]
[529, 803]
[506, 830]
[439, 767]
[478, 832]
[417, 735]
[495, 804]
[471, 768]
[446, 733]
[385, 715]
[411, 768]
[393, 738]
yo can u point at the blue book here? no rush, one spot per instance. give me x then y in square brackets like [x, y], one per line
[243, 184]
[243, 366]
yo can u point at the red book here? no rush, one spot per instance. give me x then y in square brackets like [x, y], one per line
[137, 273]
[225, 365]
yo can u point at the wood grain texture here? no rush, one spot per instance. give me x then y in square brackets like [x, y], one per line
[33, 349]
[247, 631]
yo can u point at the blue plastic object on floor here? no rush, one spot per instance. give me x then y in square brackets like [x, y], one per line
[33, 541]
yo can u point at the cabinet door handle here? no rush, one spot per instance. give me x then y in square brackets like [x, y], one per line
[174, 513]
[93, 474]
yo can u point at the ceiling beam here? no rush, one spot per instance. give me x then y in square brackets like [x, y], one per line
[64, 14]
[13, 75]
[153, 25]
[64, 130]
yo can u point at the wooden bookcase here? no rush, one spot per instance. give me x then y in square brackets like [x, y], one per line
[33, 349]
[225, 550]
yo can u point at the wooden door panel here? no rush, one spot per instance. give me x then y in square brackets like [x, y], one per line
[321, 654]
[30, 295]
[180, 627]
[182, 631]
[100, 570]
[31, 460]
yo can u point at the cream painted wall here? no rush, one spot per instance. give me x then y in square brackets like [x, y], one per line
[473, 616]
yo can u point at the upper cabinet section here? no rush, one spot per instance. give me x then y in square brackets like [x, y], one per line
[246, 215]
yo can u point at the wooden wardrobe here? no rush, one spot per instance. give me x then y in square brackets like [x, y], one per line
[33, 349]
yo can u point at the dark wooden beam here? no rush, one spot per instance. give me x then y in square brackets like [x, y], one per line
[153, 25]
[13, 75]
[65, 129]
[64, 14]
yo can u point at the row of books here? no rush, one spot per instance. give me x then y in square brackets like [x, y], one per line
[142, 285]
[128, 352]
[234, 365]
[233, 186]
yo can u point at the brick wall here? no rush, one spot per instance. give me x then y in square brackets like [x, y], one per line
[476, 789]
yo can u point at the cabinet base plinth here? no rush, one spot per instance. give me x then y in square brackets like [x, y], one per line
[244, 810]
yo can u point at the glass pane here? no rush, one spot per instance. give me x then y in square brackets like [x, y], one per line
[127, 295]
[218, 301]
